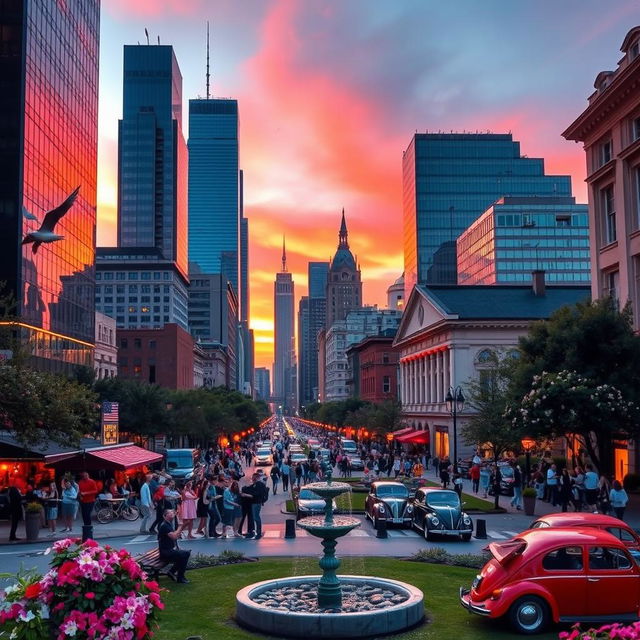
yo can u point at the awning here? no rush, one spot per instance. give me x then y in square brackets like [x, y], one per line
[125, 457]
[401, 432]
[414, 437]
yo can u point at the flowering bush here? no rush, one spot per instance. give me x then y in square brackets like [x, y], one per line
[90, 592]
[608, 632]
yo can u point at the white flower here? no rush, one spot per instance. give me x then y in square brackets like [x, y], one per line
[44, 611]
[26, 616]
[11, 589]
[14, 634]
[70, 628]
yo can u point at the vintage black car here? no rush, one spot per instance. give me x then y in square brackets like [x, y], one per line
[389, 502]
[438, 512]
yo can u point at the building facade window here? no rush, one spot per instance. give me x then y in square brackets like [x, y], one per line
[606, 152]
[607, 203]
[611, 285]
[386, 384]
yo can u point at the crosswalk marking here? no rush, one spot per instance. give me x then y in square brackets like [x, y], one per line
[496, 535]
[358, 533]
[273, 534]
[396, 533]
[301, 533]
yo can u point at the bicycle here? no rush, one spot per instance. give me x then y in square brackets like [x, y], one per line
[116, 508]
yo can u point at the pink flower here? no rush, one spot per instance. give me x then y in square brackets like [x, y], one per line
[89, 595]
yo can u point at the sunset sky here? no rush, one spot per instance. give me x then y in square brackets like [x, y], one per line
[330, 93]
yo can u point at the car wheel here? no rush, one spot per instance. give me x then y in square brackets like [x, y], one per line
[529, 615]
[466, 537]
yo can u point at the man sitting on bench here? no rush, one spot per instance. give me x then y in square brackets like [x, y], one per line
[168, 547]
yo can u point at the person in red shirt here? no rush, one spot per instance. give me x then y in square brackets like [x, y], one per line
[88, 492]
[474, 474]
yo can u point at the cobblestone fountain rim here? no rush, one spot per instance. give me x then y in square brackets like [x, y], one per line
[254, 615]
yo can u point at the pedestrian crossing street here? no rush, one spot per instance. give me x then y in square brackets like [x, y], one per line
[277, 532]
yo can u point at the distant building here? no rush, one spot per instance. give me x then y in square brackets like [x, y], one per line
[395, 294]
[610, 129]
[366, 321]
[373, 368]
[140, 288]
[449, 180]
[106, 352]
[284, 388]
[448, 336]
[263, 384]
[515, 236]
[318, 273]
[157, 356]
[152, 156]
[49, 132]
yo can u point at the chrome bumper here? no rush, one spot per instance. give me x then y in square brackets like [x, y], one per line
[471, 608]
[451, 532]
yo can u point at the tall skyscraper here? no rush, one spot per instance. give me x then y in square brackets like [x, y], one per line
[284, 336]
[449, 180]
[49, 132]
[152, 155]
[344, 286]
[312, 312]
[214, 188]
[263, 384]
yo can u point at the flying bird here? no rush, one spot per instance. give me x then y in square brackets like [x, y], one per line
[45, 232]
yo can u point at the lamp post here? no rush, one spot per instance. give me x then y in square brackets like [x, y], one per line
[455, 404]
[527, 444]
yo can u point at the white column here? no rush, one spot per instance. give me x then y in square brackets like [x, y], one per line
[423, 379]
[439, 359]
[413, 382]
[432, 378]
[403, 382]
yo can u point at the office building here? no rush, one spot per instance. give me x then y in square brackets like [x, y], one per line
[263, 384]
[49, 132]
[152, 156]
[363, 322]
[516, 236]
[609, 128]
[140, 288]
[105, 361]
[311, 318]
[284, 390]
[449, 180]
[450, 335]
[373, 368]
[318, 273]
[214, 188]
[344, 285]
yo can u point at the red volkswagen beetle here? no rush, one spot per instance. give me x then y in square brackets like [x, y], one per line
[560, 575]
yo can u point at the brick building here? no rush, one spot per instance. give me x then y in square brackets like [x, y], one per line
[373, 369]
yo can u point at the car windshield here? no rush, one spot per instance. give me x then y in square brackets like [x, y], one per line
[307, 494]
[540, 524]
[180, 461]
[264, 452]
[506, 471]
[392, 491]
[443, 499]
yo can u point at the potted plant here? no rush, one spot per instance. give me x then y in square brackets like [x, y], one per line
[529, 499]
[33, 520]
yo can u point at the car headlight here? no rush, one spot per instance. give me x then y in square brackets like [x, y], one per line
[409, 509]
[466, 519]
[381, 508]
[434, 520]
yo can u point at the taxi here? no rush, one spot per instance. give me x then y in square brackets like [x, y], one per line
[580, 574]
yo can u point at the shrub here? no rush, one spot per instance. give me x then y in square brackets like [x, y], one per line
[34, 507]
[631, 481]
[529, 492]
[438, 555]
[201, 560]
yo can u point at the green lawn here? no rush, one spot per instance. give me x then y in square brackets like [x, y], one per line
[206, 606]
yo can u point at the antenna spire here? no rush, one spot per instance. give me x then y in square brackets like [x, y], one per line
[208, 75]
[284, 256]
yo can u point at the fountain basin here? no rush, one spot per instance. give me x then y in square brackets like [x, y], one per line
[326, 490]
[282, 621]
[340, 526]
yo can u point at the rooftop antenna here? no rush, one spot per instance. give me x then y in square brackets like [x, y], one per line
[284, 256]
[146, 33]
[208, 75]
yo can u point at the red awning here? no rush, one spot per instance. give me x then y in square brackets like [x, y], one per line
[126, 457]
[414, 437]
[401, 432]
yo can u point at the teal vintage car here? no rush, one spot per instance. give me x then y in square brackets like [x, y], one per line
[438, 512]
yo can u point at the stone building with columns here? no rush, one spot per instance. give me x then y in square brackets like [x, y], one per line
[446, 338]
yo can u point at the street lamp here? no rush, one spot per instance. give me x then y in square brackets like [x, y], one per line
[455, 404]
[527, 444]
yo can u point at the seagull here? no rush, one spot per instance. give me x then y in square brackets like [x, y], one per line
[51, 219]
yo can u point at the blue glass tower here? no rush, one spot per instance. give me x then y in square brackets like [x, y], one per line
[152, 159]
[318, 273]
[449, 180]
[214, 187]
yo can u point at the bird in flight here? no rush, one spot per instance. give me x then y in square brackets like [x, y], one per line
[45, 232]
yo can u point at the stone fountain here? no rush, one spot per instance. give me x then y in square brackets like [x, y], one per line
[327, 606]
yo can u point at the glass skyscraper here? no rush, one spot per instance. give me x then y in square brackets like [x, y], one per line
[284, 389]
[318, 274]
[214, 188]
[449, 180]
[49, 55]
[516, 236]
[152, 155]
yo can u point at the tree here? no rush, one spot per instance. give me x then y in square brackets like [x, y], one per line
[568, 404]
[488, 397]
[37, 407]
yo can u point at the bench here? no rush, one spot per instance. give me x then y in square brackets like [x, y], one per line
[152, 563]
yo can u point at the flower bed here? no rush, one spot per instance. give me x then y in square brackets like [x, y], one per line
[609, 631]
[90, 592]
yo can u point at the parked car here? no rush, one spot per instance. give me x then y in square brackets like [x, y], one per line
[618, 528]
[309, 503]
[181, 464]
[356, 463]
[295, 448]
[388, 501]
[298, 457]
[438, 512]
[580, 574]
[506, 481]
[264, 457]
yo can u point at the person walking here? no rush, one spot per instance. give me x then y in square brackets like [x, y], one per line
[188, 508]
[215, 491]
[146, 504]
[202, 506]
[552, 484]
[604, 489]
[516, 501]
[565, 488]
[485, 479]
[231, 502]
[284, 470]
[474, 474]
[618, 498]
[69, 503]
[275, 478]
[51, 501]
[15, 511]
[591, 488]
[246, 500]
[578, 488]
[168, 547]
[88, 492]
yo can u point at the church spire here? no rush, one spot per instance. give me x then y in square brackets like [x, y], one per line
[343, 244]
[284, 256]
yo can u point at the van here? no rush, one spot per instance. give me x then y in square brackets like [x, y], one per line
[181, 463]
[349, 446]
